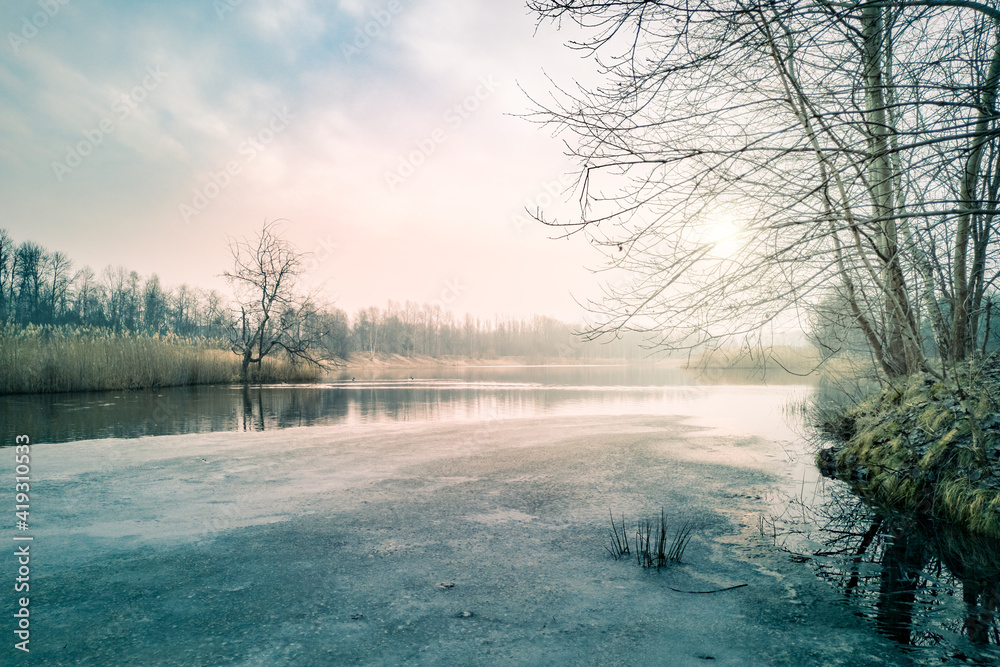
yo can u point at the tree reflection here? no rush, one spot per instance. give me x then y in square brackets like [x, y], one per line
[923, 584]
[903, 557]
[253, 415]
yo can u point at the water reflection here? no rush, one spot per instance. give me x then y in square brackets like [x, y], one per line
[252, 420]
[733, 399]
[927, 586]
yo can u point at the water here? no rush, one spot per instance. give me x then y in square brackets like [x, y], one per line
[730, 400]
[928, 587]
[913, 586]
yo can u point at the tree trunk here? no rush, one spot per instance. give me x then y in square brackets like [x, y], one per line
[960, 343]
[902, 353]
[244, 370]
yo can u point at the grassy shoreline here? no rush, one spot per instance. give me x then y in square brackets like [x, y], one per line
[47, 359]
[63, 359]
[44, 359]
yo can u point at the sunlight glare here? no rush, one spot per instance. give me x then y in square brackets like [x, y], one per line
[723, 234]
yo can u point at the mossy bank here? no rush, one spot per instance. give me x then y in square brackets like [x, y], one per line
[929, 449]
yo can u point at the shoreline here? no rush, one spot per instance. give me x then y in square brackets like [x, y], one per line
[395, 361]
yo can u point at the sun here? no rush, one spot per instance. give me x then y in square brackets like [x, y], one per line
[723, 234]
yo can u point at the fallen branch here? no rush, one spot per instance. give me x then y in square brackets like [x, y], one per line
[717, 590]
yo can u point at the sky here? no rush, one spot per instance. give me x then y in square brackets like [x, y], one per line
[385, 136]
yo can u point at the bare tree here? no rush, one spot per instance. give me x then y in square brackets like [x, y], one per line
[59, 266]
[269, 310]
[132, 302]
[7, 255]
[368, 327]
[217, 315]
[86, 300]
[114, 280]
[183, 306]
[849, 149]
[30, 260]
[154, 305]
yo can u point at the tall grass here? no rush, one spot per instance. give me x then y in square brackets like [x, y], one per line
[652, 548]
[42, 359]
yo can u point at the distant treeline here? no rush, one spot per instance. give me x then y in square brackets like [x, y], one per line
[43, 288]
[410, 329]
[39, 287]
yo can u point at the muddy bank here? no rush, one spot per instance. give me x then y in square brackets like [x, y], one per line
[420, 543]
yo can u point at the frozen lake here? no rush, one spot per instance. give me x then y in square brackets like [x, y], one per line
[453, 518]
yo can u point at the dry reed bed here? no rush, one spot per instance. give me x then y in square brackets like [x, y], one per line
[59, 359]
